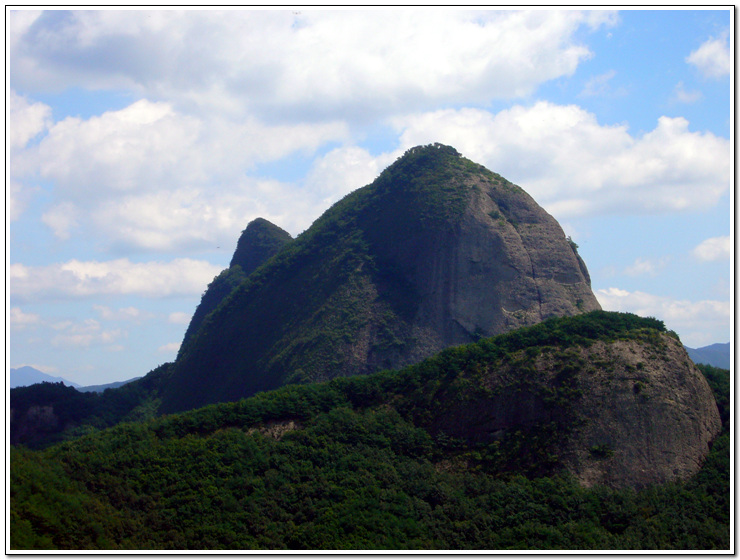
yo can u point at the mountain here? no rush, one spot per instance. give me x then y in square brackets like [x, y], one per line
[101, 388]
[46, 413]
[258, 243]
[26, 375]
[717, 355]
[437, 251]
[556, 436]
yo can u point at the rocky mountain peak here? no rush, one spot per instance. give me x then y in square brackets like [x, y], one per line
[437, 251]
[259, 241]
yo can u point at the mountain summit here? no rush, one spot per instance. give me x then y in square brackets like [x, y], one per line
[437, 251]
[258, 242]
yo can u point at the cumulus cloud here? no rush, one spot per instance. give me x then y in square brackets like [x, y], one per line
[700, 322]
[62, 218]
[714, 249]
[150, 177]
[17, 198]
[150, 145]
[357, 63]
[26, 119]
[713, 57]
[202, 218]
[575, 166]
[117, 277]
[344, 170]
[19, 319]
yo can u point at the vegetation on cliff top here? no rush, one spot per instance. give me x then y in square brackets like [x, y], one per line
[349, 464]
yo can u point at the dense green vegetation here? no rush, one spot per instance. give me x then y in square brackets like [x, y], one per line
[353, 464]
[76, 413]
[260, 241]
[293, 319]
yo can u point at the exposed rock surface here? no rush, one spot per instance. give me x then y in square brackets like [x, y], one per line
[648, 418]
[506, 263]
[633, 413]
[437, 251]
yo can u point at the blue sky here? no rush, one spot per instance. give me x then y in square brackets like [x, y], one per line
[141, 142]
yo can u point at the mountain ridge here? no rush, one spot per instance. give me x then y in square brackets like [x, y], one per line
[386, 461]
[436, 251]
[27, 375]
[717, 355]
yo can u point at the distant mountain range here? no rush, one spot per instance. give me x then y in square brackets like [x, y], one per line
[27, 375]
[717, 355]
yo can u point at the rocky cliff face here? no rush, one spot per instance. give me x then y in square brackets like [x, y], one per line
[505, 263]
[616, 413]
[436, 252]
[648, 416]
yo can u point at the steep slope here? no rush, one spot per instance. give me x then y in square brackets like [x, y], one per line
[436, 251]
[428, 457]
[259, 241]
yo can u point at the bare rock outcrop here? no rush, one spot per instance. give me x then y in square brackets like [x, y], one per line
[622, 413]
[505, 264]
[649, 416]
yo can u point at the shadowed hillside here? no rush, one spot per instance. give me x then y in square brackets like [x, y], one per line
[437, 251]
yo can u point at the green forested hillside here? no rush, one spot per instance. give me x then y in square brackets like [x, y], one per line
[73, 412]
[352, 464]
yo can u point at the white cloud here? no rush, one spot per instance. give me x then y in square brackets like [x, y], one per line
[122, 314]
[697, 322]
[149, 177]
[572, 165]
[599, 85]
[62, 218]
[84, 334]
[18, 197]
[117, 277]
[166, 176]
[643, 267]
[179, 318]
[357, 63]
[683, 96]
[344, 170]
[18, 23]
[19, 319]
[150, 145]
[713, 57]
[26, 120]
[714, 249]
[170, 348]
[203, 218]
